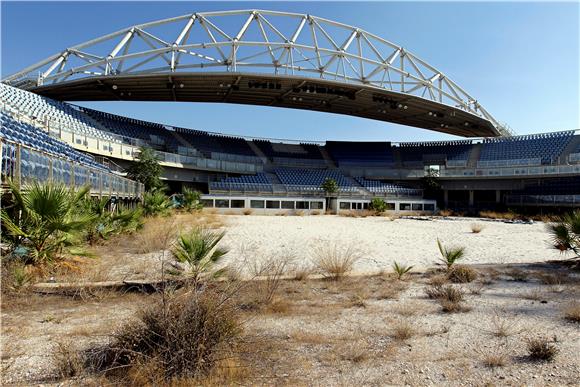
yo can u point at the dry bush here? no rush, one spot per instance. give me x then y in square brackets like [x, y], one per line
[247, 211]
[355, 352]
[503, 327]
[541, 349]
[461, 274]
[495, 359]
[358, 299]
[348, 213]
[551, 279]
[498, 215]
[390, 290]
[403, 330]
[271, 272]
[156, 235]
[449, 297]
[572, 312]
[409, 308]
[279, 306]
[282, 213]
[302, 272]
[438, 280]
[534, 295]
[476, 228]
[315, 212]
[67, 360]
[298, 213]
[335, 262]
[453, 306]
[180, 336]
[445, 213]
[518, 275]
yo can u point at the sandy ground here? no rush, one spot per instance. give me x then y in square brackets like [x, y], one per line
[381, 241]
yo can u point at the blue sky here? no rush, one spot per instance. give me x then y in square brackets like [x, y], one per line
[521, 60]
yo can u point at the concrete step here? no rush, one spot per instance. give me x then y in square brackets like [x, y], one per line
[329, 161]
[474, 155]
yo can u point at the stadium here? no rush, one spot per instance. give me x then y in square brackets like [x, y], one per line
[320, 193]
[364, 75]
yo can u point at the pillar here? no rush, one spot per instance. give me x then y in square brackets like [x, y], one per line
[446, 198]
[471, 197]
[498, 196]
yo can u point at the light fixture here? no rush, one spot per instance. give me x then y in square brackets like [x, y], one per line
[181, 85]
[115, 87]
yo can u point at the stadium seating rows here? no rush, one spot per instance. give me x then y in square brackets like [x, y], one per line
[36, 138]
[447, 150]
[348, 153]
[547, 147]
[379, 187]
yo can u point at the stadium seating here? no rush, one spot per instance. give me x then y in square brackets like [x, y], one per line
[435, 151]
[298, 179]
[36, 138]
[545, 147]
[258, 182]
[360, 153]
[209, 143]
[291, 153]
[56, 112]
[381, 188]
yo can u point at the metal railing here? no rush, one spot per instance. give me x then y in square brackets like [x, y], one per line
[24, 165]
[513, 171]
[568, 200]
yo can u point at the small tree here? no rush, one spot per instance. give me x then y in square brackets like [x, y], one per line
[330, 187]
[378, 205]
[146, 169]
[566, 233]
[450, 256]
[190, 199]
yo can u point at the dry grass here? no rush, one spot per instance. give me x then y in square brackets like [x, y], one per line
[390, 290]
[450, 298]
[476, 228]
[504, 328]
[403, 330]
[541, 349]
[461, 274]
[67, 360]
[518, 275]
[315, 212]
[572, 312]
[498, 215]
[495, 359]
[410, 308]
[534, 295]
[445, 213]
[302, 272]
[247, 211]
[335, 262]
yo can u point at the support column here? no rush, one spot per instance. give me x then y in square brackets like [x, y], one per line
[446, 198]
[471, 198]
[498, 196]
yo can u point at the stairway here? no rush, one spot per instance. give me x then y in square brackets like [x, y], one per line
[572, 147]
[474, 156]
[326, 156]
[259, 153]
[396, 156]
[181, 139]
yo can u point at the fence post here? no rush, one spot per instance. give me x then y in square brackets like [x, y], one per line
[18, 166]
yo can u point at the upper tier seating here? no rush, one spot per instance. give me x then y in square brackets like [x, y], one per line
[152, 133]
[209, 143]
[546, 147]
[257, 182]
[56, 112]
[435, 151]
[379, 187]
[349, 153]
[298, 179]
[286, 153]
[36, 138]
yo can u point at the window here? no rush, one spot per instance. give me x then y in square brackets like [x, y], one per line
[256, 204]
[404, 206]
[302, 205]
[316, 205]
[345, 205]
[222, 203]
[207, 202]
[390, 206]
[429, 207]
[272, 204]
[238, 203]
[287, 205]
[417, 207]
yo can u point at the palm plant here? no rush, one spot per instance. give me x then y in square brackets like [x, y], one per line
[566, 233]
[107, 222]
[198, 248]
[191, 199]
[44, 218]
[401, 269]
[156, 203]
[451, 255]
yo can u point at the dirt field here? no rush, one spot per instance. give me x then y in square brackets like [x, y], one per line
[361, 330]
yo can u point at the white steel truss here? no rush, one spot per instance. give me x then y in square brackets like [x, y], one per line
[257, 41]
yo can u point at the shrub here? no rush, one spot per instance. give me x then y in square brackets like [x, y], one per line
[445, 213]
[476, 228]
[271, 271]
[198, 249]
[334, 262]
[461, 274]
[190, 200]
[107, 223]
[44, 219]
[541, 349]
[495, 359]
[401, 269]
[378, 205]
[572, 312]
[566, 233]
[182, 336]
[146, 169]
[450, 256]
[248, 211]
[156, 203]
[403, 330]
[449, 297]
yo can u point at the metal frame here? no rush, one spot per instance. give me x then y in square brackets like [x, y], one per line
[278, 43]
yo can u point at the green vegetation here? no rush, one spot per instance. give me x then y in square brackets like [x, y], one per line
[199, 249]
[146, 169]
[106, 222]
[378, 205]
[43, 219]
[401, 269]
[190, 200]
[450, 256]
[566, 233]
[330, 186]
[156, 203]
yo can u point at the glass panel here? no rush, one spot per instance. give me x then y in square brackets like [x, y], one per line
[256, 203]
[287, 205]
[272, 204]
[238, 203]
[222, 203]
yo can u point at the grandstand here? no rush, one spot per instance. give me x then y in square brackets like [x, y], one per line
[45, 138]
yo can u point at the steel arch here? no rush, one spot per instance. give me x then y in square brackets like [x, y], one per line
[278, 43]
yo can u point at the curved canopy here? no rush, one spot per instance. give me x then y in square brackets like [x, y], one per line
[262, 57]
